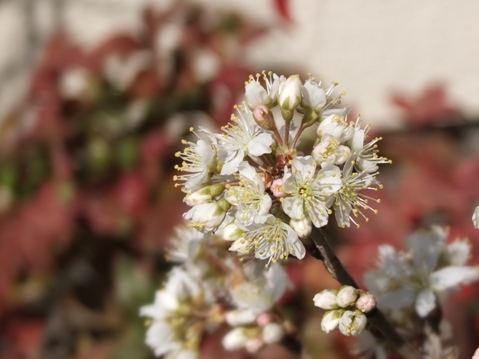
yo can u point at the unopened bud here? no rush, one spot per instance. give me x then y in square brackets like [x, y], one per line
[352, 322]
[204, 194]
[302, 227]
[331, 320]
[231, 232]
[272, 333]
[277, 188]
[235, 339]
[326, 299]
[263, 117]
[208, 217]
[366, 302]
[289, 96]
[347, 296]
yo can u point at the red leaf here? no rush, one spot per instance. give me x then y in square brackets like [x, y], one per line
[282, 7]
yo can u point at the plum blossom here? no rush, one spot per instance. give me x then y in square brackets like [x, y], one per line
[308, 190]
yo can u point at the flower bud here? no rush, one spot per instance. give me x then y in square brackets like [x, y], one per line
[231, 232]
[207, 217]
[240, 317]
[203, 194]
[263, 117]
[302, 227]
[272, 333]
[352, 322]
[347, 296]
[235, 339]
[331, 320]
[277, 188]
[366, 302]
[326, 299]
[289, 96]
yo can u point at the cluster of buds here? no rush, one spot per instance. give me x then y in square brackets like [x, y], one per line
[345, 309]
[257, 181]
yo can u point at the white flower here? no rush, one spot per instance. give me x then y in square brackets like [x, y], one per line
[367, 158]
[241, 138]
[352, 322]
[308, 190]
[199, 159]
[257, 95]
[337, 127]
[416, 277]
[326, 299]
[331, 320]
[207, 217]
[349, 201]
[184, 244]
[271, 239]
[166, 336]
[475, 218]
[346, 296]
[319, 100]
[289, 95]
[329, 150]
[249, 196]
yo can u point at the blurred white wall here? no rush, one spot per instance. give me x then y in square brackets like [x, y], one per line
[370, 47]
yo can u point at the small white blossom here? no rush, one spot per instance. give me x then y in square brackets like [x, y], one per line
[249, 196]
[199, 160]
[416, 277]
[330, 150]
[271, 239]
[308, 190]
[256, 94]
[336, 127]
[319, 100]
[241, 138]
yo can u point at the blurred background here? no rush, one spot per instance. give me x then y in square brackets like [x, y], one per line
[95, 96]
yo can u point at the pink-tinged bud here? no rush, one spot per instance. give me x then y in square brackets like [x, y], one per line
[326, 299]
[263, 319]
[352, 322]
[331, 320]
[366, 302]
[263, 117]
[277, 188]
[347, 296]
[289, 96]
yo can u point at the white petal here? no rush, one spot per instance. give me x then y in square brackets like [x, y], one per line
[261, 144]
[398, 299]
[449, 277]
[425, 302]
[458, 252]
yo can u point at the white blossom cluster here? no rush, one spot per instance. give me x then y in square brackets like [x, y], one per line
[345, 309]
[260, 187]
[207, 289]
[418, 277]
